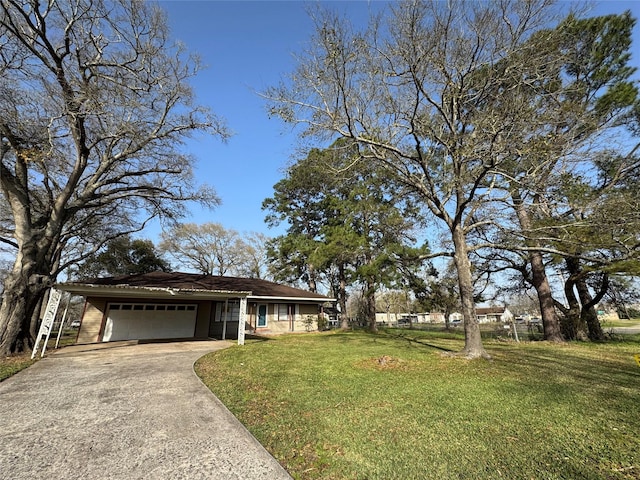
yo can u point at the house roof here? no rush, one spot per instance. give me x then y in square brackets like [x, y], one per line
[177, 283]
[489, 310]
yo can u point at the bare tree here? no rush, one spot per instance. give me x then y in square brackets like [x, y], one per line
[415, 93]
[94, 106]
[256, 265]
[211, 249]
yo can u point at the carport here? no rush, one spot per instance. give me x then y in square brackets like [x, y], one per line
[139, 312]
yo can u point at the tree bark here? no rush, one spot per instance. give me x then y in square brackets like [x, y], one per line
[342, 298]
[313, 286]
[24, 287]
[588, 313]
[550, 320]
[574, 325]
[22, 294]
[370, 306]
[473, 347]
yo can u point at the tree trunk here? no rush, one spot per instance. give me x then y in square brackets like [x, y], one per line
[588, 314]
[473, 347]
[24, 287]
[370, 306]
[313, 287]
[573, 325]
[342, 299]
[14, 321]
[20, 299]
[38, 313]
[550, 320]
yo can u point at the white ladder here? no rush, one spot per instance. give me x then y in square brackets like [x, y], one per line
[47, 322]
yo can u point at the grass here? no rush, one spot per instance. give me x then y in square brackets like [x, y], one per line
[13, 364]
[395, 406]
[634, 322]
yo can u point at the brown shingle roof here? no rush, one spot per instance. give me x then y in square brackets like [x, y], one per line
[197, 281]
[489, 310]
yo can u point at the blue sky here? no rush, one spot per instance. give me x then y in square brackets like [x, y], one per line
[247, 47]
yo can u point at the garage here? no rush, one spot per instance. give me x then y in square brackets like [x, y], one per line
[150, 321]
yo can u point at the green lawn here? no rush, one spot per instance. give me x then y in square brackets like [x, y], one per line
[395, 406]
[634, 322]
[13, 364]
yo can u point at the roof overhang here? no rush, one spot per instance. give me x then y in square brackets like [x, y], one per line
[291, 299]
[127, 291]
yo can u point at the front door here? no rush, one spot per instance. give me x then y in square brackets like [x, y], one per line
[262, 316]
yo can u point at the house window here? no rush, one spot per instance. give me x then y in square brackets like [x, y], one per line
[286, 311]
[229, 311]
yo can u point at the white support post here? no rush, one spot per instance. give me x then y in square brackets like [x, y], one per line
[224, 320]
[47, 321]
[515, 330]
[64, 318]
[242, 320]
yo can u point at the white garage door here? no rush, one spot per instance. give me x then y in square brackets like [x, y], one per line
[134, 321]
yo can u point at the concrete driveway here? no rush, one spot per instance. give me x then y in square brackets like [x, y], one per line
[124, 412]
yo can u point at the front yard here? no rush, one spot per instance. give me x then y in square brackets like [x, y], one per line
[395, 406]
[14, 363]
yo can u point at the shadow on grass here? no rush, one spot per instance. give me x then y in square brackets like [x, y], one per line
[257, 338]
[357, 334]
[565, 371]
[410, 339]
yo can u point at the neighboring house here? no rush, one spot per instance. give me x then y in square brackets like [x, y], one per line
[393, 318]
[493, 315]
[487, 315]
[162, 305]
[607, 313]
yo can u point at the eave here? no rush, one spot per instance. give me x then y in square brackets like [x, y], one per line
[127, 291]
[291, 299]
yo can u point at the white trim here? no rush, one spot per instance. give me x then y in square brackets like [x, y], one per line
[242, 320]
[92, 290]
[290, 299]
[226, 318]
